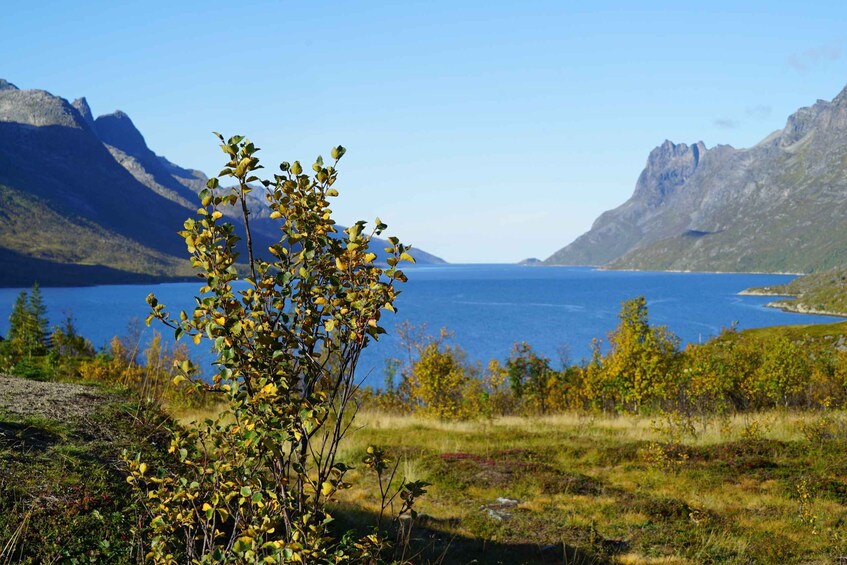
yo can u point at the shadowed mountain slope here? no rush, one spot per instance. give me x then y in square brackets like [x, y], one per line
[88, 198]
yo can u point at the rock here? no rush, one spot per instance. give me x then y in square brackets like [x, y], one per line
[775, 207]
[81, 105]
[497, 510]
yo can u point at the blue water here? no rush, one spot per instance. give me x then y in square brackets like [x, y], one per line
[487, 307]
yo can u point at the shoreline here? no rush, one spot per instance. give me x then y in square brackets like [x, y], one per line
[800, 309]
[762, 292]
[685, 271]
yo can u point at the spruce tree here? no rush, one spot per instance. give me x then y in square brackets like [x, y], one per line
[18, 324]
[38, 321]
[28, 331]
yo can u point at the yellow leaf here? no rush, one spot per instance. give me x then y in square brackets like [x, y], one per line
[142, 468]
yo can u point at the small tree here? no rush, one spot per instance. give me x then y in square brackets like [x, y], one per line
[28, 324]
[67, 342]
[532, 379]
[785, 371]
[642, 363]
[18, 325]
[439, 380]
[253, 484]
[38, 320]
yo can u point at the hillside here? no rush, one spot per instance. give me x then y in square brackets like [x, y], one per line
[84, 200]
[817, 293]
[775, 207]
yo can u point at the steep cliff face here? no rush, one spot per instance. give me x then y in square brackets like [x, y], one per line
[668, 169]
[777, 206]
[128, 147]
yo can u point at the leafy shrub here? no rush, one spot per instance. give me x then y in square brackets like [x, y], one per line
[254, 483]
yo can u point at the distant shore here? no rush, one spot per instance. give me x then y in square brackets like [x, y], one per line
[802, 309]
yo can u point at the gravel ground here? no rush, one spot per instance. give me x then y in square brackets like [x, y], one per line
[56, 401]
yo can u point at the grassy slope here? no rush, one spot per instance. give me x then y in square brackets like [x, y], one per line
[48, 240]
[824, 292]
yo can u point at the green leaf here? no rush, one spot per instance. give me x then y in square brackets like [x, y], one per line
[338, 152]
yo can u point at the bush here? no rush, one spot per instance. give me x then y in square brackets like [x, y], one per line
[254, 483]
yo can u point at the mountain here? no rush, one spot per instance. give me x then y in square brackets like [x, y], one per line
[776, 207]
[86, 201]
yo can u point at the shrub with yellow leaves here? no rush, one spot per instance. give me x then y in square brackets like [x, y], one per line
[253, 484]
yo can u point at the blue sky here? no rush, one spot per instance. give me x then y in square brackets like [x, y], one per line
[479, 131]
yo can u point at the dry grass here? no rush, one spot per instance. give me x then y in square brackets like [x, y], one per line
[596, 489]
[590, 483]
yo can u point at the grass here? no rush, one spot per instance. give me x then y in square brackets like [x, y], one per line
[63, 493]
[616, 490]
[568, 488]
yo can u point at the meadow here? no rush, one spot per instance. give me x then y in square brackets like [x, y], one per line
[766, 487]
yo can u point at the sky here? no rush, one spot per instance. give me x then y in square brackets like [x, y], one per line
[479, 131]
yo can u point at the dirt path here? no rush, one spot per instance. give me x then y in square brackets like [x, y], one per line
[56, 401]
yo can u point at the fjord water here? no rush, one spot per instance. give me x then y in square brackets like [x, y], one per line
[487, 307]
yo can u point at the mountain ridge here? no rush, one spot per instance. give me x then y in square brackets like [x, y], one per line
[725, 209]
[87, 197]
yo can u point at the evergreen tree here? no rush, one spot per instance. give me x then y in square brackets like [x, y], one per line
[39, 332]
[18, 325]
[28, 324]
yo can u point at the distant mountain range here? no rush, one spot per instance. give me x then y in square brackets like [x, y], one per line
[85, 201]
[779, 206]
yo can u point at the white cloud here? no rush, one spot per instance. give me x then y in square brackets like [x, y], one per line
[809, 58]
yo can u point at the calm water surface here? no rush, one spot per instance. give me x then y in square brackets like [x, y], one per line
[487, 307]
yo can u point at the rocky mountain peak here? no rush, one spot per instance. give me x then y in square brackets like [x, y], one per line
[777, 206]
[81, 105]
[802, 122]
[37, 108]
[6, 85]
[117, 130]
[668, 167]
